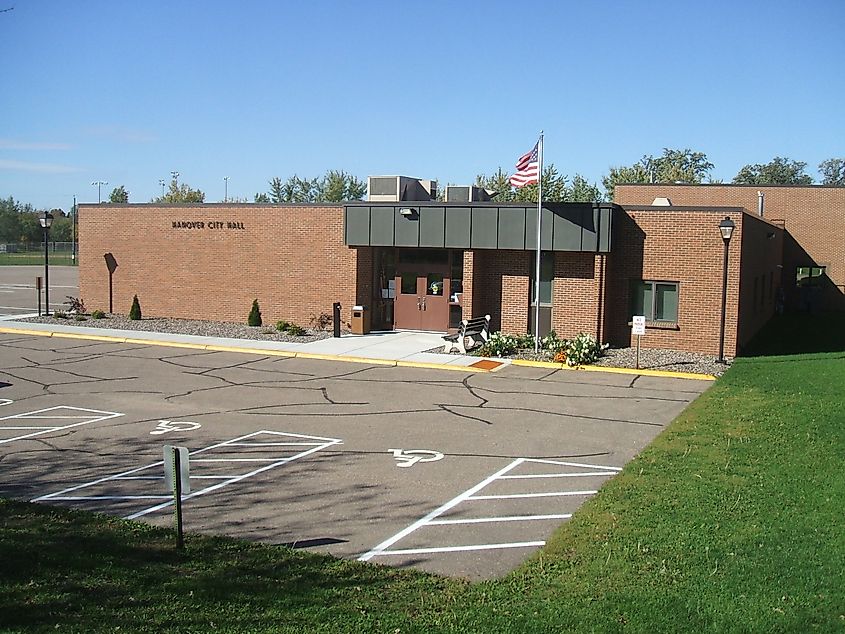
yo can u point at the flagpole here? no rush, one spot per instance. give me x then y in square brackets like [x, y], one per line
[539, 251]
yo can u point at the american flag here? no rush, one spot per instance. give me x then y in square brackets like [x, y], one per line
[527, 168]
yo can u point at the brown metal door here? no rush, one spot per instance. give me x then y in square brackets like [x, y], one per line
[407, 306]
[422, 300]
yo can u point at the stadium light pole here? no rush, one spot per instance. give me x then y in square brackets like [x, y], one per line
[162, 183]
[226, 189]
[46, 220]
[99, 184]
[726, 229]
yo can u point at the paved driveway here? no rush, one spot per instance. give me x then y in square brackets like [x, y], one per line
[458, 473]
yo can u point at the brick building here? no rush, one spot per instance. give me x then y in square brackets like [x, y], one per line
[425, 265]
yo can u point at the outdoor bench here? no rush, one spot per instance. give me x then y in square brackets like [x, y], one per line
[474, 332]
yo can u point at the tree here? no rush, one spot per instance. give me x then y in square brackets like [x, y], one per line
[674, 166]
[833, 172]
[337, 186]
[119, 195]
[779, 171]
[554, 186]
[334, 186]
[582, 191]
[180, 194]
[261, 198]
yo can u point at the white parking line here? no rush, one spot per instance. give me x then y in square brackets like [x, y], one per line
[90, 416]
[584, 470]
[515, 496]
[308, 444]
[506, 518]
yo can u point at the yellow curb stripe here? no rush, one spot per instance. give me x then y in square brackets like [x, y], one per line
[24, 331]
[598, 368]
[539, 364]
[165, 344]
[668, 374]
[73, 335]
[438, 366]
[337, 357]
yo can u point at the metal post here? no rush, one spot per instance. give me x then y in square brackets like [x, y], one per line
[539, 250]
[38, 293]
[336, 319]
[721, 358]
[177, 488]
[46, 273]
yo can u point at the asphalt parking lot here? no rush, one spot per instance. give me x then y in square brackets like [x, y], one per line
[18, 294]
[462, 474]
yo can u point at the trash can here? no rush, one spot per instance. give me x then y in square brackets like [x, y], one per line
[360, 320]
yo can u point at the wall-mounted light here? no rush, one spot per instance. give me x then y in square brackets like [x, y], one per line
[409, 212]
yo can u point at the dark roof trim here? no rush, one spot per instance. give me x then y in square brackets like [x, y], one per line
[681, 208]
[813, 186]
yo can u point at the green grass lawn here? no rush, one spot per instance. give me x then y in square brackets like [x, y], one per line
[33, 258]
[733, 520]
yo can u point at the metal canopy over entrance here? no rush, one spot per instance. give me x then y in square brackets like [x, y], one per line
[582, 227]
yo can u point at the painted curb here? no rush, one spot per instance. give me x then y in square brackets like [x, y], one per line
[334, 357]
[666, 374]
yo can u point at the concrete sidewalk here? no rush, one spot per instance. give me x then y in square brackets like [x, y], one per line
[384, 348]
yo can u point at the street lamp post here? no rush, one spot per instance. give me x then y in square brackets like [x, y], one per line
[46, 220]
[226, 189]
[99, 184]
[726, 229]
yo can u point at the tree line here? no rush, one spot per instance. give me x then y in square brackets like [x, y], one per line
[19, 221]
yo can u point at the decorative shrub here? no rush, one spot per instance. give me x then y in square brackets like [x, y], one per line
[321, 322]
[98, 314]
[135, 311]
[583, 349]
[551, 343]
[60, 314]
[254, 318]
[296, 331]
[78, 317]
[560, 356]
[75, 305]
[500, 345]
[290, 328]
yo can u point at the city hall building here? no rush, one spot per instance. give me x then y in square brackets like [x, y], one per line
[418, 264]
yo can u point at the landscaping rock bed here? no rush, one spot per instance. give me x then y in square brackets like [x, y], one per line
[186, 327]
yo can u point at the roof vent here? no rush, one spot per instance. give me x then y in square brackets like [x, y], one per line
[662, 202]
[468, 194]
[400, 188]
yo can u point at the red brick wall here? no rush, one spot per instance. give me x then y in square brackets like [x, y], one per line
[813, 216]
[291, 258]
[683, 246]
[500, 288]
[576, 294]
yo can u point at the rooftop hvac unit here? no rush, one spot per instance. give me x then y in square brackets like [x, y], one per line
[467, 194]
[400, 188]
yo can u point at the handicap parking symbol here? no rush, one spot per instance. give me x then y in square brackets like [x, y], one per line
[411, 457]
[165, 426]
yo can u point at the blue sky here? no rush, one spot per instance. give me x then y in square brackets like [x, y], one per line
[126, 92]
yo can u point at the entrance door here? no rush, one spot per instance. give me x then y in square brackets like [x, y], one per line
[422, 294]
